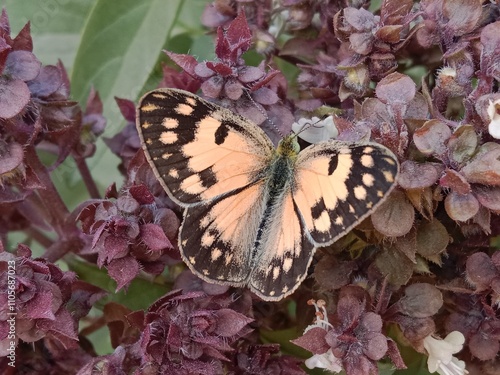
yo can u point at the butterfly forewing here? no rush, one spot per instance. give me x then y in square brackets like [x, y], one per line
[198, 150]
[338, 184]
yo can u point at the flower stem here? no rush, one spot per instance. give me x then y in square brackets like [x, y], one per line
[87, 177]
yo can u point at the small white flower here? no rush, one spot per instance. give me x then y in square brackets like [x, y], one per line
[494, 114]
[326, 360]
[315, 130]
[441, 352]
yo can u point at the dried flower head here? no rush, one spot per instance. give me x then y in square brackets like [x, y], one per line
[192, 332]
[48, 302]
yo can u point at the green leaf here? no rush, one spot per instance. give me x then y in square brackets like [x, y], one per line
[120, 45]
[120, 49]
[139, 295]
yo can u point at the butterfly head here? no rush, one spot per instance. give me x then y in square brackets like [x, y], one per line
[288, 146]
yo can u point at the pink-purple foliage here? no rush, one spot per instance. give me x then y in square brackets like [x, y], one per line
[425, 263]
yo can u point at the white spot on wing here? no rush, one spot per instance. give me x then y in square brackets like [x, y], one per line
[228, 259]
[167, 138]
[287, 264]
[360, 192]
[169, 123]
[159, 95]
[184, 109]
[367, 161]
[215, 254]
[173, 173]
[149, 107]
[206, 241]
[390, 161]
[323, 223]
[389, 177]
[276, 272]
[192, 185]
[368, 179]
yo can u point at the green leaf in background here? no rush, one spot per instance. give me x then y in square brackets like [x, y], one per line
[121, 47]
[140, 294]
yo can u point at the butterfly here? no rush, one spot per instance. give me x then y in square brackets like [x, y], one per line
[255, 214]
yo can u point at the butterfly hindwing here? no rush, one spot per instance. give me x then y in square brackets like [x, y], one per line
[338, 184]
[333, 186]
[198, 150]
[217, 238]
[285, 252]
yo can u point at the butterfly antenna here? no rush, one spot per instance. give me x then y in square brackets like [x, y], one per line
[261, 110]
[306, 125]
